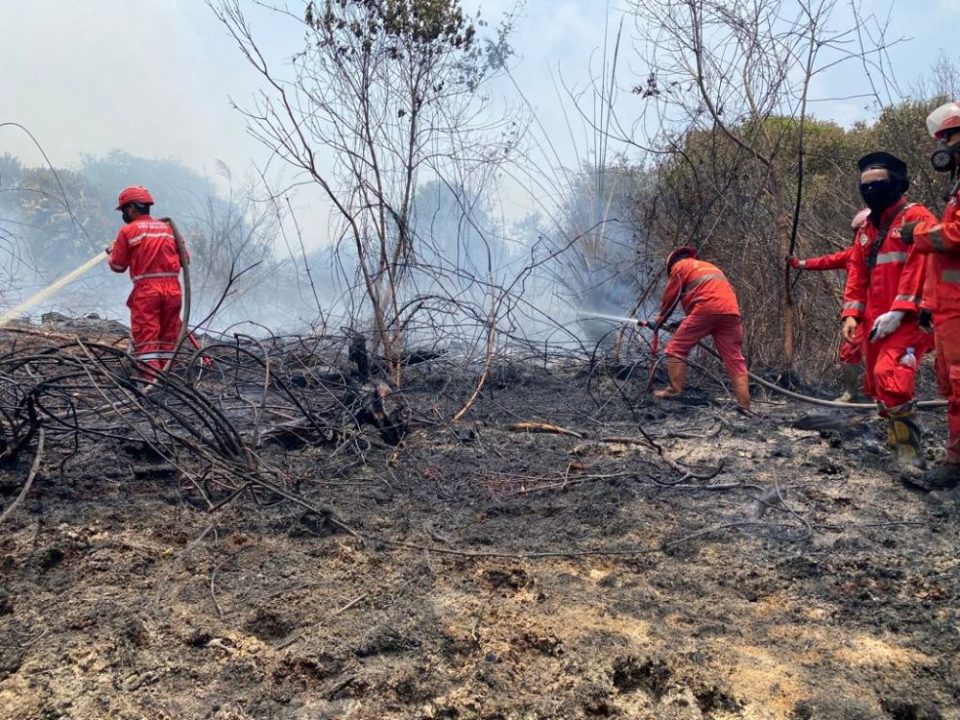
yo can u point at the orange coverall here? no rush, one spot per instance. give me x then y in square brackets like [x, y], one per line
[894, 282]
[148, 249]
[850, 353]
[940, 242]
[711, 308]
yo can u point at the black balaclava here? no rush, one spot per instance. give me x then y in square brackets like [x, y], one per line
[881, 194]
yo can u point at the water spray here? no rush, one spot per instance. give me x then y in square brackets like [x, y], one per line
[612, 318]
[52, 289]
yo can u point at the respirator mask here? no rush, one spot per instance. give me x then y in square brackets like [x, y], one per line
[944, 157]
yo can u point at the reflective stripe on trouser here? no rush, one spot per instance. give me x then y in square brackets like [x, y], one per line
[727, 333]
[155, 320]
[852, 353]
[947, 334]
[886, 379]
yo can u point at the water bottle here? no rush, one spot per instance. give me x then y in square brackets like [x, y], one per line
[909, 358]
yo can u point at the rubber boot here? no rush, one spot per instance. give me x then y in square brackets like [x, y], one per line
[677, 373]
[906, 441]
[850, 377]
[945, 476]
[741, 391]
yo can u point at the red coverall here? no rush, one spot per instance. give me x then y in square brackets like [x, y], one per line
[941, 295]
[147, 247]
[710, 304]
[850, 353]
[894, 283]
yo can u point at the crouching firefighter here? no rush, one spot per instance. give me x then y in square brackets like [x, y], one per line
[147, 248]
[940, 242]
[883, 292]
[711, 308]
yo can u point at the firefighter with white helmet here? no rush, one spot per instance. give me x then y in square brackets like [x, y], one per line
[941, 297]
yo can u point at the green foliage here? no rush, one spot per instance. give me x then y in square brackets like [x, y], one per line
[59, 215]
[715, 194]
[419, 32]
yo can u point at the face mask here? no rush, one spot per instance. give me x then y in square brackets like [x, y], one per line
[126, 215]
[944, 158]
[880, 194]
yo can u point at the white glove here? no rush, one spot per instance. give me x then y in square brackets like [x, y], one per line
[886, 324]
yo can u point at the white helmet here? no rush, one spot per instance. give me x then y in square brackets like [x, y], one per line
[944, 119]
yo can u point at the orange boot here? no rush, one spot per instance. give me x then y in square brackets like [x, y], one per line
[741, 391]
[677, 372]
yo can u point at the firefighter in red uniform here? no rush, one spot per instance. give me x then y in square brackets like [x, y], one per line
[148, 248]
[851, 353]
[711, 308]
[940, 241]
[883, 293]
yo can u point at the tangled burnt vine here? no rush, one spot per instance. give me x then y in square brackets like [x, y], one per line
[284, 528]
[206, 421]
[233, 421]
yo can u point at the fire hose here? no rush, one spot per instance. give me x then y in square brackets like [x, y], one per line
[58, 285]
[185, 268]
[853, 407]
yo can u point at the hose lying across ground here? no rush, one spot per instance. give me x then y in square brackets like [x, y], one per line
[855, 407]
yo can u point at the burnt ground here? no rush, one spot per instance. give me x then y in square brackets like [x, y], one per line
[500, 573]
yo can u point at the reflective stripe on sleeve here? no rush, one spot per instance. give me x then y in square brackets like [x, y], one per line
[854, 306]
[891, 257]
[907, 298]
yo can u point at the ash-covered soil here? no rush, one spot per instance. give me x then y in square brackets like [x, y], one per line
[751, 570]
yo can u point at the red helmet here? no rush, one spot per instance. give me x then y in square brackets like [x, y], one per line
[944, 119]
[134, 193]
[680, 253]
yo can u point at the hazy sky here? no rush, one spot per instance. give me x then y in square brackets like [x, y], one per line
[153, 78]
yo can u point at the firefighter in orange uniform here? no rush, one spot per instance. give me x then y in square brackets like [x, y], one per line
[711, 308]
[851, 353]
[148, 249]
[940, 242]
[882, 294]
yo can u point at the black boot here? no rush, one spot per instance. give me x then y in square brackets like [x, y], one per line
[945, 476]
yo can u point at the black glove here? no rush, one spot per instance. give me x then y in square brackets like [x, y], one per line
[906, 232]
[925, 320]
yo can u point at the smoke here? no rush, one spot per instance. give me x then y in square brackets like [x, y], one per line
[469, 272]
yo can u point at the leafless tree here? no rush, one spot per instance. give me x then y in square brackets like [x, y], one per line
[741, 72]
[382, 96]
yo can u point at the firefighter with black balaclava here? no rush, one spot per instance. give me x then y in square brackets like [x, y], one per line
[883, 292]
